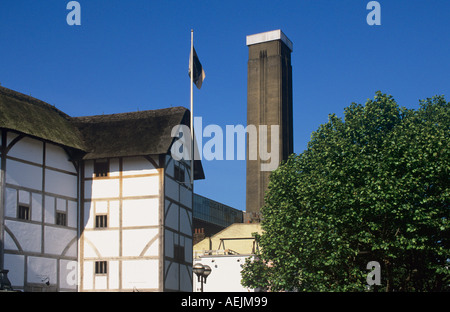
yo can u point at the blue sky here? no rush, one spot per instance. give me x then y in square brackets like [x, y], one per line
[133, 55]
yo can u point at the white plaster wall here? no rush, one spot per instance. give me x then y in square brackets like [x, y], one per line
[89, 212]
[106, 243]
[72, 251]
[60, 183]
[135, 241]
[24, 197]
[137, 166]
[171, 189]
[182, 240]
[169, 240]
[101, 188]
[169, 166]
[27, 234]
[39, 268]
[16, 266]
[56, 157]
[10, 203]
[27, 149]
[57, 239]
[140, 186]
[114, 167]
[178, 218]
[114, 217]
[140, 274]
[36, 207]
[22, 174]
[172, 275]
[186, 197]
[153, 249]
[185, 221]
[88, 275]
[113, 274]
[38, 237]
[101, 282]
[72, 213]
[172, 211]
[50, 203]
[61, 205]
[140, 180]
[188, 249]
[9, 243]
[101, 207]
[88, 168]
[140, 212]
[185, 278]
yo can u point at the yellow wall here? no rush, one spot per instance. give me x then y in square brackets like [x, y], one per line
[236, 230]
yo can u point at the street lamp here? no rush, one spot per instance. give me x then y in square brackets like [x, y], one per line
[5, 284]
[202, 272]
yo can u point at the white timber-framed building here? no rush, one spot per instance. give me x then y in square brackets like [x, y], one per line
[93, 203]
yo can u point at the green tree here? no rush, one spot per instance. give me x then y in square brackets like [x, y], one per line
[373, 186]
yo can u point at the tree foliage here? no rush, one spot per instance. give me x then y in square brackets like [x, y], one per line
[373, 186]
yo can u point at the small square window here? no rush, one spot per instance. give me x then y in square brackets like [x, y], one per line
[101, 221]
[101, 267]
[61, 218]
[24, 212]
[178, 253]
[101, 168]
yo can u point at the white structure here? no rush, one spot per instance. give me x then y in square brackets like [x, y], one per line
[40, 215]
[93, 203]
[270, 36]
[225, 253]
[225, 272]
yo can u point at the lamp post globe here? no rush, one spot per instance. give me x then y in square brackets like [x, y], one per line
[198, 269]
[206, 271]
[202, 272]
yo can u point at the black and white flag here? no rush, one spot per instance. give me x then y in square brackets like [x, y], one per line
[199, 73]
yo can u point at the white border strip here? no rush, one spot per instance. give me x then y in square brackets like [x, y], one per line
[269, 36]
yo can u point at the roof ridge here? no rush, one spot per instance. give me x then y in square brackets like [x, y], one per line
[31, 100]
[130, 115]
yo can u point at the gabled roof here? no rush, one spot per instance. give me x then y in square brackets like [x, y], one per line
[124, 134]
[102, 136]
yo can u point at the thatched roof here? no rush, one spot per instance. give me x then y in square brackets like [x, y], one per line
[133, 134]
[34, 117]
[136, 133]
[102, 136]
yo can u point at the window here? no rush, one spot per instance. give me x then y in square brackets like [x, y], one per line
[101, 221]
[101, 267]
[24, 212]
[178, 253]
[101, 168]
[179, 173]
[61, 218]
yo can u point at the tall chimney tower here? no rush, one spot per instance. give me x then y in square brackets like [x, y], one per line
[269, 102]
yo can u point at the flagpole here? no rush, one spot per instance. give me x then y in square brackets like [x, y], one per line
[192, 109]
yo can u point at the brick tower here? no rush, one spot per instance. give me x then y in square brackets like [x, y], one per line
[269, 103]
